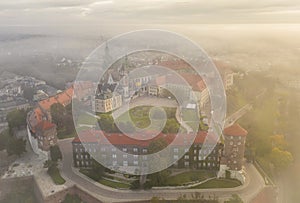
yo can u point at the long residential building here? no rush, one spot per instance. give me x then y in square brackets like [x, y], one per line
[99, 143]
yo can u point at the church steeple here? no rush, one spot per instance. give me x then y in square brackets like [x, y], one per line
[107, 57]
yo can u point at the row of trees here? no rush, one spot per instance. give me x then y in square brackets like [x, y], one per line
[266, 141]
[14, 146]
[62, 117]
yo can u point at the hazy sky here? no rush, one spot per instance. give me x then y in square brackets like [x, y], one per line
[38, 12]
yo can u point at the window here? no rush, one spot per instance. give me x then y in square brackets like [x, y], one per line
[135, 156]
[239, 143]
[114, 163]
[124, 149]
[176, 157]
[135, 149]
[135, 163]
[125, 156]
[113, 149]
[125, 163]
[175, 150]
[231, 143]
[186, 150]
[114, 156]
[234, 162]
[186, 157]
[102, 149]
[186, 163]
[145, 150]
[145, 158]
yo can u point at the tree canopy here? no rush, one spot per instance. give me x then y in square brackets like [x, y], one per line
[16, 119]
[55, 153]
[15, 146]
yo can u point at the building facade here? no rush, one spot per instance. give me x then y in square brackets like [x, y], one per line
[196, 156]
[46, 135]
[234, 150]
[107, 102]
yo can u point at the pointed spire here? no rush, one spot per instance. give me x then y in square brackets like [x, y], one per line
[107, 57]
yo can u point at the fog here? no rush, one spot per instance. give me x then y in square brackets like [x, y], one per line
[39, 50]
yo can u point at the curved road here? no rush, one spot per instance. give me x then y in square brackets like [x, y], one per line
[254, 184]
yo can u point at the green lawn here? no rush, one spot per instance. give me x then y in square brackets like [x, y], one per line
[87, 119]
[190, 115]
[189, 176]
[61, 134]
[114, 184]
[219, 183]
[140, 116]
[56, 177]
[110, 183]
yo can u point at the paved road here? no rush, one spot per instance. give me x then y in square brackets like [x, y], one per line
[254, 183]
[238, 114]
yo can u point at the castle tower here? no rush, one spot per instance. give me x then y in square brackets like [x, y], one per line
[234, 150]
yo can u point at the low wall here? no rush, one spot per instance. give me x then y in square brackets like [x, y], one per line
[59, 196]
[7, 185]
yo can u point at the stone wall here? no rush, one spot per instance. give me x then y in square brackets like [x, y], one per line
[7, 185]
[59, 196]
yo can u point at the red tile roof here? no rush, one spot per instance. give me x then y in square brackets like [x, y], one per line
[45, 125]
[175, 64]
[121, 139]
[195, 81]
[235, 130]
[63, 98]
[46, 104]
[35, 118]
[70, 91]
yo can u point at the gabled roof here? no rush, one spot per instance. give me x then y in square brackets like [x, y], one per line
[63, 98]
[138, 140]
[70, 91]
[45, 125]
[47, 103]
[195, 81]
[235, 130]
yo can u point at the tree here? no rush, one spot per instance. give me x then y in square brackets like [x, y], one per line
[279, 141]
[16, 119]
[15, 146]
[157, 145]
[55, 153]
[171, 126]
[280, 158]
[4, 136]
[58, 112]
[68, 123]
[159, 178]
